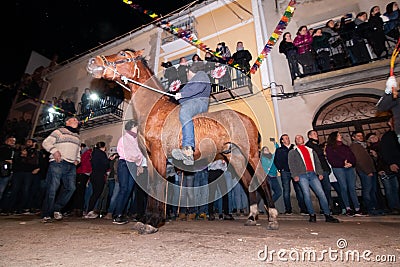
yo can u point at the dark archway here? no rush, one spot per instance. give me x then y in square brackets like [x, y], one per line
[350, 113]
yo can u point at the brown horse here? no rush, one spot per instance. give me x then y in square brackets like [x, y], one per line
[225, 134]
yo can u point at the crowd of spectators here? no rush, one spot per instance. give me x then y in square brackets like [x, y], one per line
[371, 158]
[93, 103]
[221, 77]
[101, 178]
[348, 41]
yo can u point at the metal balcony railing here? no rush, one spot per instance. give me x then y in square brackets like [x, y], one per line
[94, 114]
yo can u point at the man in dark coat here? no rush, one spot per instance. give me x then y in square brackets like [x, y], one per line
[313, 143]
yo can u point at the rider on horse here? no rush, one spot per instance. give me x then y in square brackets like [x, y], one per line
[194, 99]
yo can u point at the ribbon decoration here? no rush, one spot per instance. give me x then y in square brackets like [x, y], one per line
[285, 19]
[187, 35]
[395, 53]
[181, 33]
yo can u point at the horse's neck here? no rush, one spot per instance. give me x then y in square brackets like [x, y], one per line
[144, 100]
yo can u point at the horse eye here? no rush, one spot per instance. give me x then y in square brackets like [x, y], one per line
[122, 53]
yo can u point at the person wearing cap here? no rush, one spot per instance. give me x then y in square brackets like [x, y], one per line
[194, 99]
[63, 144]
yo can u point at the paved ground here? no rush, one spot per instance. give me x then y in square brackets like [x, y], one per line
[24, 241]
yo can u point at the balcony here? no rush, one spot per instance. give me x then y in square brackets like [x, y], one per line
[376, 70]
[107, 112]
[233, 84]
[170, 42]
[95, 114]
[345, 66]
[236, 85]
[27, 99]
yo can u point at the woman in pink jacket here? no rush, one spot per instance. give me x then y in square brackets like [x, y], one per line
[303, 42]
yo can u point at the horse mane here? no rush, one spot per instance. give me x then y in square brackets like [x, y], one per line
[145, 63]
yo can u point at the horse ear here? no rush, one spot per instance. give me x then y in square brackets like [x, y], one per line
[139, 53]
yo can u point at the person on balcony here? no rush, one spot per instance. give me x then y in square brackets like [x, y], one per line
[321, 47]
[85, 102]
[182, 70]
[287, 48]
[376, 36]
[303, 42]
[392, 20]
[242, 57]
[337, 47]
[170, 73]
[355, 33]
[68, 106]
[211, 62]
[225, 55]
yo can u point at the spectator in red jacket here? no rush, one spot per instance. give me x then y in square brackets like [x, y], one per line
[83, 172]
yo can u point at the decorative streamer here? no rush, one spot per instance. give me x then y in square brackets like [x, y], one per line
[181, 33]
[187, 36]
[285, 19]
[392, 60]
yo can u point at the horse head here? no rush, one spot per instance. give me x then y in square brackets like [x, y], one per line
[116, 66]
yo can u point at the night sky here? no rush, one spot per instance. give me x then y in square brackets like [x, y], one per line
[71, 27]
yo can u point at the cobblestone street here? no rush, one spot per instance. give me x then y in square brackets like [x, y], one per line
[25, 241]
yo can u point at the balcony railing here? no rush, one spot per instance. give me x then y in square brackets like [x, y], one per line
[233, 84]
[94, 114]
[189, 25]
[347, 73]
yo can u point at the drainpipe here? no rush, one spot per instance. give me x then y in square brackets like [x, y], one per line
[157, 55]
[39, 108]
[271, 74]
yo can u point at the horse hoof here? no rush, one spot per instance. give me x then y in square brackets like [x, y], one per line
[144, 229]
[250, 223]
[273, 226]
[149, 229]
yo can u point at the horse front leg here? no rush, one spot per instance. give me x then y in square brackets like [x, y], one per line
[155, 212]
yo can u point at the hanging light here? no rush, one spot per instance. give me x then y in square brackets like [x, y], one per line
[52, 110]
[94, 96]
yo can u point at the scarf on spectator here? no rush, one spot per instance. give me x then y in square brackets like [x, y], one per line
[133, 134]
[267, 155]
[74, 130]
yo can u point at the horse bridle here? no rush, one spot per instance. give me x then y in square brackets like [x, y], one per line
[113, 65]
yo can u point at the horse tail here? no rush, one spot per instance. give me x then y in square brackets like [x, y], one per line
[231, 148]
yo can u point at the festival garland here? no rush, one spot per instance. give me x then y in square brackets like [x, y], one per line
[274, 36]
[193, 40]
[183, 34]
[395, 53]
